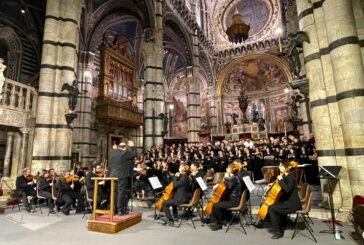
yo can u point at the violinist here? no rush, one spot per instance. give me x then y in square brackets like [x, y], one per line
[103, 195]
[45, 190]
[181, 193]
[140, 180]
[233, 185]
[67, 195]
[25, 188]
[196, 172]
[289, 201]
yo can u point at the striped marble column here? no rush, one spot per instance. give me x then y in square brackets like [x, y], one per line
[320, 111]
[52, 136]
[82, 126]
[153, 82]
[358, 6]
[348, 72]
[193, 109]
[213, 117]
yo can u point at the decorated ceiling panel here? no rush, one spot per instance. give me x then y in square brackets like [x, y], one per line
[263, 16]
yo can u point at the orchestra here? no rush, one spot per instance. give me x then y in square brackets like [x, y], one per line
[178, 168]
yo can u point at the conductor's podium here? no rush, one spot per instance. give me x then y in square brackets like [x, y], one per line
[106, 222]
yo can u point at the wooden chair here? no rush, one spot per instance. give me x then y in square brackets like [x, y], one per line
[190, 207]
[239, 210]
[306, 208]
[303, 194]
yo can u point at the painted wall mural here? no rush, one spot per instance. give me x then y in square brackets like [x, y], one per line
[179, 115]
[263, 82]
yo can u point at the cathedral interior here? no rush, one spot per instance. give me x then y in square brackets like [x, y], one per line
[79, 76]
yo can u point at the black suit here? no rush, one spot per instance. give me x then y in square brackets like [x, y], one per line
[289, 202]
[121, 167]
[181, 195]
[24, 190]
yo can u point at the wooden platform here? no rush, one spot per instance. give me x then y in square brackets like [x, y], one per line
[102, 224]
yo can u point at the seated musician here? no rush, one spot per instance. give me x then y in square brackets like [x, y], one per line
[68, 195]
[233, 195]
[103, 191]
[45, 190]
[289, 201]
[181, 193]
[140, 180]
[25, 188]
[196, 172]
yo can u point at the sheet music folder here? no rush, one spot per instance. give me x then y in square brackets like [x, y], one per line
[329, 172]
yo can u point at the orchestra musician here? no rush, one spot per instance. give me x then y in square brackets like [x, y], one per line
[45, 190]
[67, 195]
[289, 201]
[181, 193]
[103, 195]
[196, 172]
[233, 195]
[25, 188]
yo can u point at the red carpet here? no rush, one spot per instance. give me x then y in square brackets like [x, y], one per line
[118, 218]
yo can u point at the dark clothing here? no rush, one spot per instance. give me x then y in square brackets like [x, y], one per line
[289, 202]
[24, 190]
[241, 174]
[68, 196]
[181, 195]
[90, 184]
[45, 190]
[194, 183]
[234, 195]
[121, 166]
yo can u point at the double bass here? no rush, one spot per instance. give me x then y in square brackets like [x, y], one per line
[273, 194]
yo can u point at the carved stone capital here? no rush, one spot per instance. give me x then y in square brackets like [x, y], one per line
[25, 130]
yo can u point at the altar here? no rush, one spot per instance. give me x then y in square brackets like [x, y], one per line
[250, 130]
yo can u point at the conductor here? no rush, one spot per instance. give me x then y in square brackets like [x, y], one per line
[121, 167]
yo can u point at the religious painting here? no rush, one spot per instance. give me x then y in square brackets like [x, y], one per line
[179, 114]
[231, 112]
[256, 75]
[279, 120]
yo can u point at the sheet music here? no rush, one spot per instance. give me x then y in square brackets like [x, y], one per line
[154, 181]
[201, 183]
[249, 184]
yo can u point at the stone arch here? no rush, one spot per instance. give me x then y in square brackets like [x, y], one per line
[279, 62]
[14, 52]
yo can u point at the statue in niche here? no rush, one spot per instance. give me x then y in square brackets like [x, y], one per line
[255, 113]
[292, 55]
[165, 123]
[235, 117]
[228, 127]
[261, 124]
[2, 78]
[243, 105]
[295, 120]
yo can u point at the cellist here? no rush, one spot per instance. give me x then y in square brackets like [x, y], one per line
[233, 185]
[181, 193]
[289, 201]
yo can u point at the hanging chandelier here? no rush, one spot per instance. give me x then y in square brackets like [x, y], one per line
[238, 31]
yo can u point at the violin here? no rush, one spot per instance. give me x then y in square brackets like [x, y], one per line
[30, 177]
[71, 177]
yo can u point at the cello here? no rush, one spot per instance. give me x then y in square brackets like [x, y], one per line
[273, 194]
[216, 198]
[167, 195]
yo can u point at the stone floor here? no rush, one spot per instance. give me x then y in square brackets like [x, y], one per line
[36, 228]
[19, 227]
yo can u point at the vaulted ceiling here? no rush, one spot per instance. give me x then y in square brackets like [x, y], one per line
[263, 16]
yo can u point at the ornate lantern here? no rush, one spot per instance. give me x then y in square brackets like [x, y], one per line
[238, 31]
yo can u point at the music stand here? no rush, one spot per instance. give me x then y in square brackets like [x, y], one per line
[331, 173]
[156, 184]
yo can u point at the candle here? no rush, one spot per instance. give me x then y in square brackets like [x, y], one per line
[280, 44]
[270, 127]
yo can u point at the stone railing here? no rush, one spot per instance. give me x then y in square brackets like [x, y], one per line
[17, 103]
